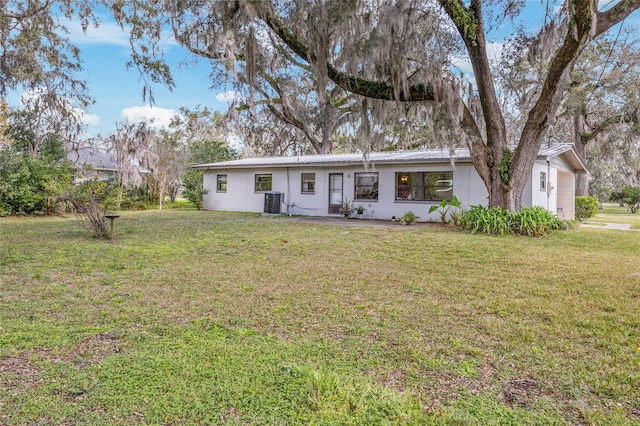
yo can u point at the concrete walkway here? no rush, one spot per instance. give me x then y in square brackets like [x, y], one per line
[619, 226]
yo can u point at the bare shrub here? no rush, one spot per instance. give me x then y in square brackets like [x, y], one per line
[91, 200]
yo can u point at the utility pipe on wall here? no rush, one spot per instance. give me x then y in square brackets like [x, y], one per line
[288, 193]
[548, 183]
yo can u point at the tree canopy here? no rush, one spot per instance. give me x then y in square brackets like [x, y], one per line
[392, 52]
[36, 56]
[312, 63]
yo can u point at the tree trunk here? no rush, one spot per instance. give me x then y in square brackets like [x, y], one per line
[582, 180]
[506, 184]
[325, 146]
[119, 194]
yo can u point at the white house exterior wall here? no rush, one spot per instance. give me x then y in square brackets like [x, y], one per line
[543, 197]
[559, 163]
[527, 193]
[566, 199]
[307, 204]
[240, 194]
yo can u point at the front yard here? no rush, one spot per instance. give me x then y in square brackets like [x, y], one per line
[193, 317]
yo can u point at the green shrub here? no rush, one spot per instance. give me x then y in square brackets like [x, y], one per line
[586, 207]
[629, 196]
[135, 199]
[535, 222]
[30, 186]
[531, 221]
[193, 187]
[444, 207]
[409, 218]
[480, 219]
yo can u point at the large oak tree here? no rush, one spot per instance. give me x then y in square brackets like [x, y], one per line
[391, 51]
[601, 106]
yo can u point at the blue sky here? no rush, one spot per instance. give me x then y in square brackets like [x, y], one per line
[117, 90]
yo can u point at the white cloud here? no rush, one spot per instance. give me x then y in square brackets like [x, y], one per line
[463, 64]
[105, 33]
[494, 51]
[108, 32]
[228, 96]
[89, 119]
[156, 117]
[235, 142]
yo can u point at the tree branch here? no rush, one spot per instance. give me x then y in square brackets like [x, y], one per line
[463, 18]
[359, 86]
[627, 117]
[579, 32]
[287, 115]
[615, 15]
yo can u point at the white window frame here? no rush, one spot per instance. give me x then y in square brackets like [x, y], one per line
[257, 182]
[220, 180]
[543, 181]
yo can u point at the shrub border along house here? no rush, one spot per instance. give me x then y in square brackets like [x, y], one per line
[530, 221]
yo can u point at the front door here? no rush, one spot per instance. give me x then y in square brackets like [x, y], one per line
[335, 193]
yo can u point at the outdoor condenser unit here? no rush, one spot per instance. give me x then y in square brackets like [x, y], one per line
[272, 202]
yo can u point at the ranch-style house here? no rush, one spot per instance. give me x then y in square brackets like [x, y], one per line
[385, 184]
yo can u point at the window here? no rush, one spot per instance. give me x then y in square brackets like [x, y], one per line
[424, 186]
[308, 183]
[263, 183]
[366, 186]
[543, 181]
[221, 183]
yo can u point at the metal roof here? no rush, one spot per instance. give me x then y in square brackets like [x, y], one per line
[435, 155]
[96, 159]
[391, 157]
[567, 150]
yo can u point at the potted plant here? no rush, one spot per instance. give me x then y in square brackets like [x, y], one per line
[360, 209]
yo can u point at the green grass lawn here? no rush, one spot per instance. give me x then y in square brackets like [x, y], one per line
[191, 317]
[612, 213]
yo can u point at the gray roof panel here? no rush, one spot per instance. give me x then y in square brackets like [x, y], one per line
[342, 159]
[391, 157]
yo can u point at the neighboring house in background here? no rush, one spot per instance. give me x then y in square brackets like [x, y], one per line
[92, 163]
[387, 184]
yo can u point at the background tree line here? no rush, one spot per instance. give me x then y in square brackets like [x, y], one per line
[152, 164]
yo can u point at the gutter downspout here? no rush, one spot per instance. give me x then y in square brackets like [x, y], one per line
[549, 184]
[288, 193]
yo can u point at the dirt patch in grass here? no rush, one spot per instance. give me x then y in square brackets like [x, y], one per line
[93, 349]
[19, 371]
[24, 369]
[519, 392]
